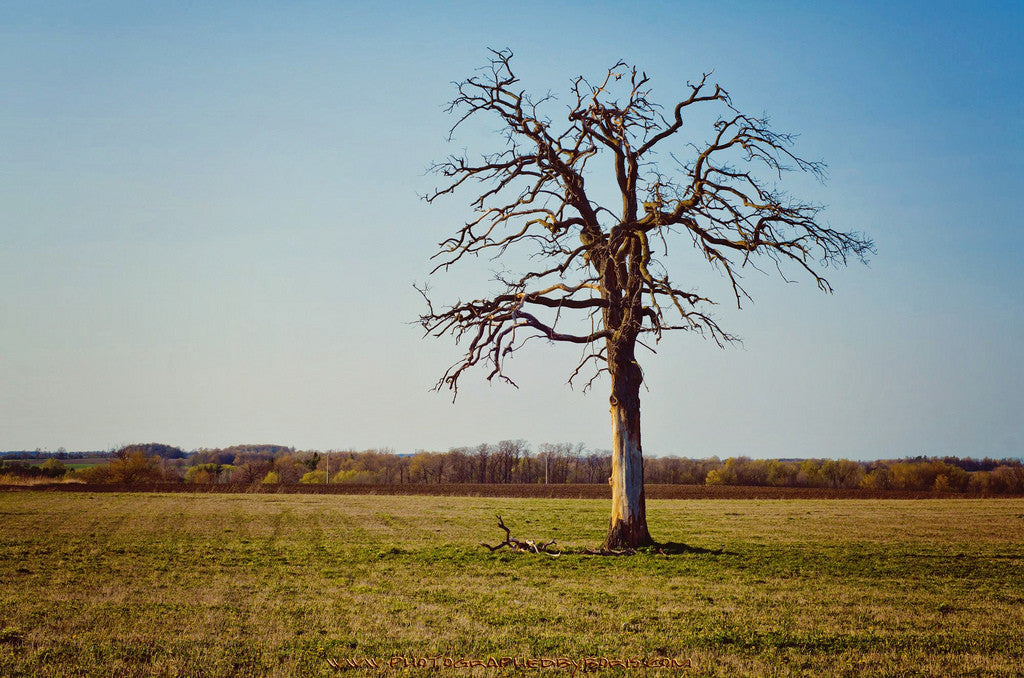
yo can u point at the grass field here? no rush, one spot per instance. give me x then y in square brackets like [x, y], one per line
[75, 464]
[283, 585]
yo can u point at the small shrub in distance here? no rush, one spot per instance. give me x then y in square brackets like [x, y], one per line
[314, 478]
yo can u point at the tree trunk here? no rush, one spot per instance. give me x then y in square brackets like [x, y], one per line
[628, 527]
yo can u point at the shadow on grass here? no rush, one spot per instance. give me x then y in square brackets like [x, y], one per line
[672, 548]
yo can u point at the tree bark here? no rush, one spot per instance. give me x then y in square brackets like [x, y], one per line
[628, 526]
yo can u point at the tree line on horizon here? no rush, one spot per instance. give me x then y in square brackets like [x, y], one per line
[511, 462]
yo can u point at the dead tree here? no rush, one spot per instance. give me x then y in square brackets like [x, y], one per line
[598, 278]
[521, 544]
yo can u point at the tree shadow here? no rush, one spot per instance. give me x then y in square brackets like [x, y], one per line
[669, 548]
[672, 548]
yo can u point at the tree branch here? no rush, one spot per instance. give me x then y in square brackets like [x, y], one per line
[590, 258]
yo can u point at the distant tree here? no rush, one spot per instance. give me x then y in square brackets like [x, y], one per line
[809, 474]
[20, 469]
[151, 449]
[525, 471]
[392, 469]
[289, 468]
[750, 471]
[214, 456]
[95, 474]
[251, 468]
[204, 474]
[596, 279]
[782, 473]
[980, 483]
[594, 468]
[942, 483]
[53, 468]
[483, 455]
[1007, 479]
[354, 477]
[730, 471]
[269, 451]
[505, 459]
[136, 467]
[460, 465]
[849, 474]
[714, 477]
[877, 478]
[419, 468]
[314, 478]
[956, 477]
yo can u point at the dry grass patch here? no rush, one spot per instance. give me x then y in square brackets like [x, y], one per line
[275, 585]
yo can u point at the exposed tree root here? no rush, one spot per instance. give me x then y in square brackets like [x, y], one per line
[524, 545]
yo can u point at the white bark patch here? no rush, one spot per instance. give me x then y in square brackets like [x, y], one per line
[627, 479]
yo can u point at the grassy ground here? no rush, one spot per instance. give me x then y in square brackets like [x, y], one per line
[69, 463]
[283, 585]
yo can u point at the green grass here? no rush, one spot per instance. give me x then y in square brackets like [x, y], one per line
[79, 465]
[76, 464]
[277, 585]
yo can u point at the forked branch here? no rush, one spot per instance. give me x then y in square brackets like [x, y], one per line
[522, 545]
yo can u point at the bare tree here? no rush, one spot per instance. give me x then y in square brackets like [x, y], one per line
[597, 279]
[483, 453]
[505, 458]
[460, 465]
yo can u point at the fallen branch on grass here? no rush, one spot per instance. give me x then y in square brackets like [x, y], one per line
[524, 545]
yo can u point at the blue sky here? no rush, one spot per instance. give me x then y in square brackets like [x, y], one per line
[210, 226]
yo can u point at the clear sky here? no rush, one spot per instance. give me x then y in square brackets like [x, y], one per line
[210, 226]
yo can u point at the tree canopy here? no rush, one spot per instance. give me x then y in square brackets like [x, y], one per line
[610, 258]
